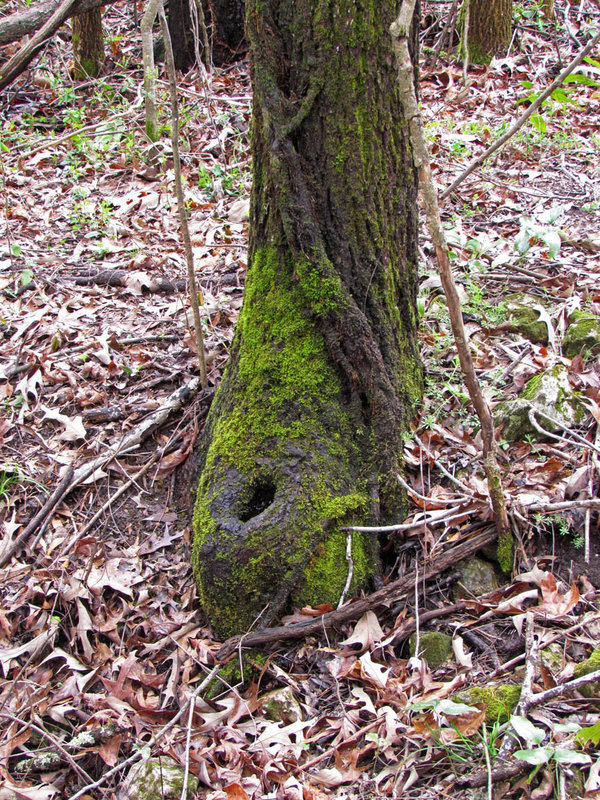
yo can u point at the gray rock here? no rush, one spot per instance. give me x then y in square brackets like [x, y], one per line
[156, 779]
[280, 705]
[435, 647]
[546, 393]
[477, 577]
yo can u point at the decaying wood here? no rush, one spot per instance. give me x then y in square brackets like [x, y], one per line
[123, 277]
[389, 594]
[63, 753]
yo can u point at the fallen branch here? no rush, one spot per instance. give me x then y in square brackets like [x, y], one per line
[22, 23]
[400, 30]
[524, 117]
[63, 752]
[389, 594]
[15, 65]
[129, 442]
[122, 277]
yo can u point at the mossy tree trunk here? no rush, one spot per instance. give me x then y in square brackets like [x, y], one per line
[306, 432]
[490, 29]
[88, 44]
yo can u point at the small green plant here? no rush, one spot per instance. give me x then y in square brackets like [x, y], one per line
[536, 754]
[459, 747]
[9, 477]
[540, 231]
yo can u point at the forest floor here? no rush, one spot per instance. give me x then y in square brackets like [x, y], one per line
[100, 628]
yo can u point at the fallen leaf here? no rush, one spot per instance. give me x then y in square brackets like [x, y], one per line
[366, 633]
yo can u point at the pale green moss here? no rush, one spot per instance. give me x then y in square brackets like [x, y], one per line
[500, 701]
[590, 664]
[505, 552]
[435, 647]
[582, 336]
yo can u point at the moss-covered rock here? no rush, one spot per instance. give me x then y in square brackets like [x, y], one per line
[590, 664]
[477, 577]
[553, 657]
[500, 700]
[582, 336]
[156, 779]
[435, 647]
[546, 393]
[524, 319]
[280, 705]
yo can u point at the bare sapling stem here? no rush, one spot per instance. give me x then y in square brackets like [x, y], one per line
[185, 231]
[400, 31]
[152, 129]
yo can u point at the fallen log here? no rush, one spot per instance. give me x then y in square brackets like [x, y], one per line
[14, 26]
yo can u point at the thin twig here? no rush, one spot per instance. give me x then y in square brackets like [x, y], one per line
[185, 231]
[400, 30]
[510, 740]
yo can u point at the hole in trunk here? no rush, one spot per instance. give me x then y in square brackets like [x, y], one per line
[262, 494]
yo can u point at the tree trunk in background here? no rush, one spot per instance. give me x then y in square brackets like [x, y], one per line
[548, 9]
[225, 20]
[306, 432]
[182, 37]
[490, 29]
[88, 44]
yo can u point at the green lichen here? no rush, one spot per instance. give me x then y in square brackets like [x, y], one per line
[500, 701]
[435, 647]
[582, 336]
[590, 664]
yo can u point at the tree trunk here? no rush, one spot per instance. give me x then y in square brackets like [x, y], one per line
[306, 432]
[88, 44]
[547, 9]
[182, 37]
[490, 29]
[225, 18]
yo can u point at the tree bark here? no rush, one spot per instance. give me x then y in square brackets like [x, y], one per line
[226, 21]
[490, 29]
[88, 44]
[21, 23]
[182, 37]
[306, 433]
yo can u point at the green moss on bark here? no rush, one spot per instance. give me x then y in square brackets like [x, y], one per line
[324, 369]
[287, 428]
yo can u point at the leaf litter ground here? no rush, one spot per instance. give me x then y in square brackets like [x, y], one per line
[100, 630]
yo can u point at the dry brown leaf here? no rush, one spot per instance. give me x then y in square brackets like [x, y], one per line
[367, 632]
